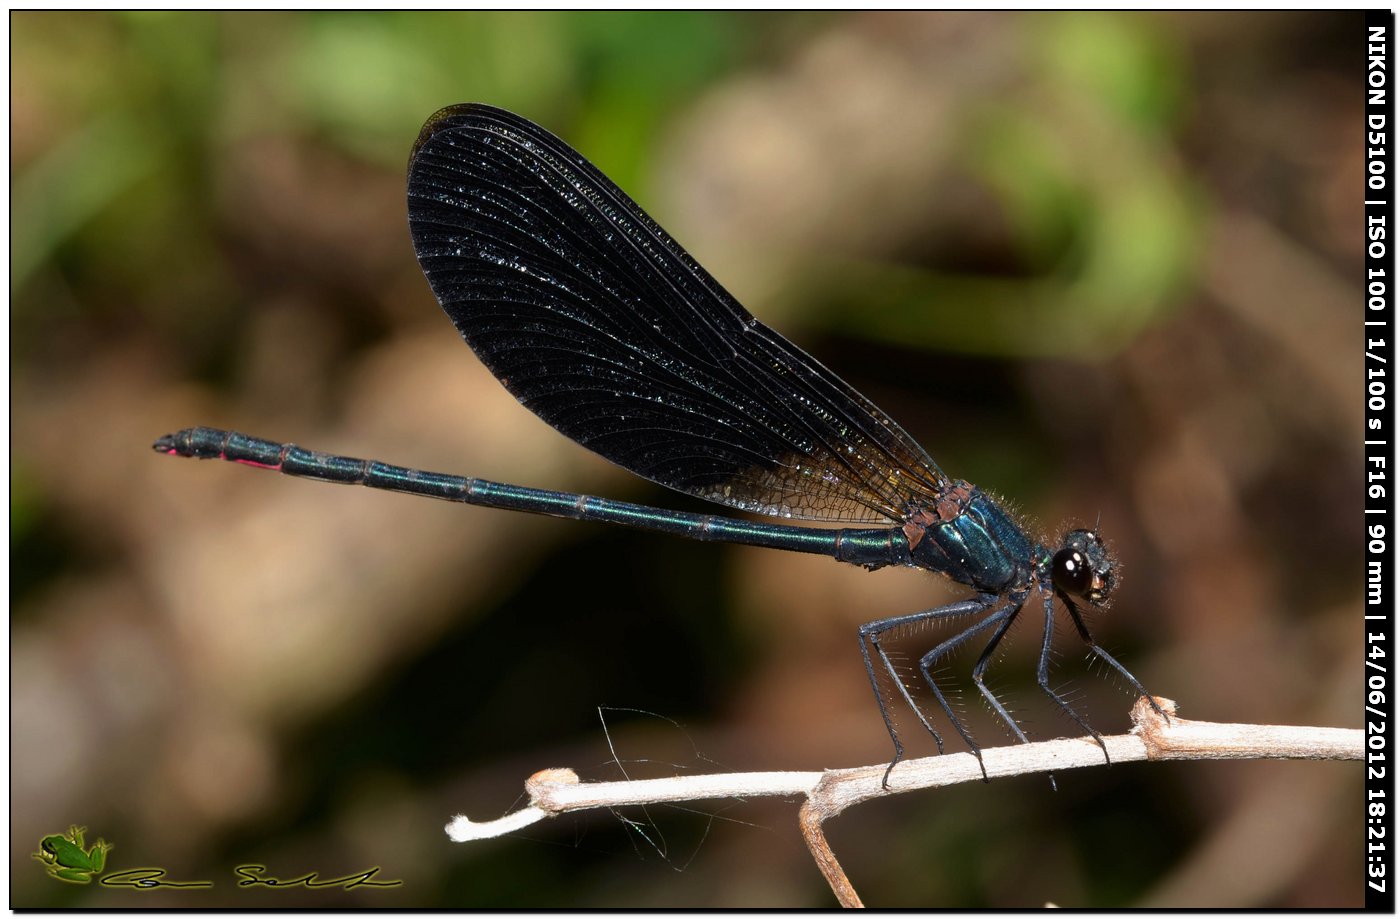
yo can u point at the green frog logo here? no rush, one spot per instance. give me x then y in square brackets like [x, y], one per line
[64, 858]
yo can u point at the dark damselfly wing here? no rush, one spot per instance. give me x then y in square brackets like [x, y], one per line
[601, 324]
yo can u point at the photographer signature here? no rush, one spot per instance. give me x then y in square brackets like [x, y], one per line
[252, 876]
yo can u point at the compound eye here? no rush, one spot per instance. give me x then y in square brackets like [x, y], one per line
[1071, 572]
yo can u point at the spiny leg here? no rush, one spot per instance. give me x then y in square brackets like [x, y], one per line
[928, 660]
[978, 673]
[884, 709]
[870, 634]
[1042, 672]
[1094, 646]
[979, 670]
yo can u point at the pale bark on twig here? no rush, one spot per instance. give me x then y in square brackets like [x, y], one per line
[828, 793]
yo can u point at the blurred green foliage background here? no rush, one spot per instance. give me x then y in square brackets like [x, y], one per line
[1104, 265]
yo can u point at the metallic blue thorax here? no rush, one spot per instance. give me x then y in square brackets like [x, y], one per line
[969, 537]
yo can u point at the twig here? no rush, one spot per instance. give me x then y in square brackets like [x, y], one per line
[809, 818]
[559, 791]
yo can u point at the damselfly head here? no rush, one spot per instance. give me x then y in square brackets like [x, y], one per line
[1083, 567]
